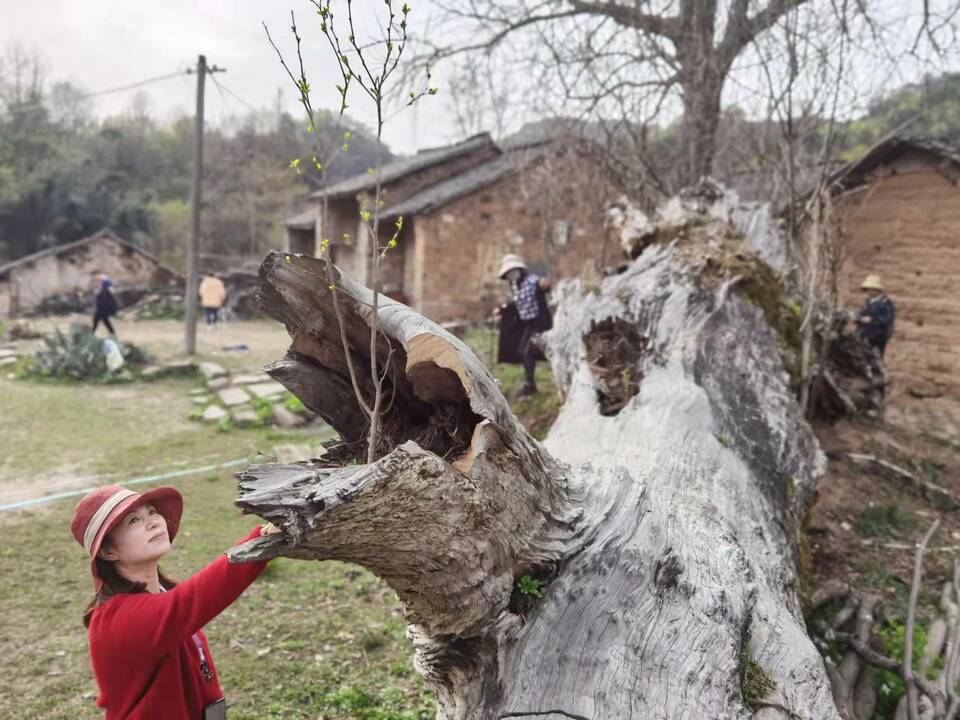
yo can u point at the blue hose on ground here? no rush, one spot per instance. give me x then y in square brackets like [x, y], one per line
[135, 481]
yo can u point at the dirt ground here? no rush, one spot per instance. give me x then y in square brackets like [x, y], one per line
[866, 521]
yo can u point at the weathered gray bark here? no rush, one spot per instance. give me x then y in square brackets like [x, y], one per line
[666, 527]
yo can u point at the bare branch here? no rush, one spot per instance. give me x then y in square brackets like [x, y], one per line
[909, 678]
[633, 17]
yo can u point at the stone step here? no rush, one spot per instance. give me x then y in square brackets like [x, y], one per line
[232, 396]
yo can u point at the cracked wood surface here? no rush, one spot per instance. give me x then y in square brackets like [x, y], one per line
[667, 533]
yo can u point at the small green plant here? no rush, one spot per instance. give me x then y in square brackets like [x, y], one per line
[196, 415]
[795, 308]
[527, 585]
[755, 682]
[294, 404]
[225, 425]
[78, 354]
[351, 701]
[932, 470]
[883, 521]
[890, 687]
[263, 409]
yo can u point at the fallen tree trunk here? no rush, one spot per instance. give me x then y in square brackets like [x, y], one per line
[662, 515]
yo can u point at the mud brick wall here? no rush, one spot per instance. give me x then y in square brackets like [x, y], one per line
[905, 225]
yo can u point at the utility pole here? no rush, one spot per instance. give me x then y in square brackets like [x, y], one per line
[193, 243]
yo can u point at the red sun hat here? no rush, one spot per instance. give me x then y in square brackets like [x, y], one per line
[100, 510]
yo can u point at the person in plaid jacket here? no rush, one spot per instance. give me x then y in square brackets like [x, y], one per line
[528, 296]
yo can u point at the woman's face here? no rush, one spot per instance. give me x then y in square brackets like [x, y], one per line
[140, 537]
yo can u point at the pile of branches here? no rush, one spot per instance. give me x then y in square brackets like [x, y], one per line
[850, 379]
[82, 301]
[158, 306]
[855, 627]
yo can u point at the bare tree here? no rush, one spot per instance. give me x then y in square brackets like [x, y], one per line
[630, 62]
[368, 67]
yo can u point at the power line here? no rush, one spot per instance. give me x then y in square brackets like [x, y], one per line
[121, 88]
[222, 88]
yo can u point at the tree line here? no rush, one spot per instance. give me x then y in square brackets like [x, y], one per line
[64, 173]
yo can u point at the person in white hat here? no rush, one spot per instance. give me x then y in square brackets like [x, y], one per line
[875, 319]
[528, 296]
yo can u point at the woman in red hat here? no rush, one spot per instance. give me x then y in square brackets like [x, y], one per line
[149, 654]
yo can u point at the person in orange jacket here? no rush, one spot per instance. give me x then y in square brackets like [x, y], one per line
[213, 295]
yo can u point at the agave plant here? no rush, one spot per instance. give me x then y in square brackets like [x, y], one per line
[78, 354]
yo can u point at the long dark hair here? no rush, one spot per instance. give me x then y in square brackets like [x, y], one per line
[116, 584]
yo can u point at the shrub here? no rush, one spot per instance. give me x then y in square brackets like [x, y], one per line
[78, 354]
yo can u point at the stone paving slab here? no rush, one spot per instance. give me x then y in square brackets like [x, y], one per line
[212, 370]
[297, 453]
[246, 417]
[218, 383]
[214, 413]
[285, 418]
[232, 396]
[267, 389]
[250, 379]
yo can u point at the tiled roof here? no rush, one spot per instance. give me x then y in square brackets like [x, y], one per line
[445, 192]
[405, 166]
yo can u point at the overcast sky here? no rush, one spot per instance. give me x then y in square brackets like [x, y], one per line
[100, 44]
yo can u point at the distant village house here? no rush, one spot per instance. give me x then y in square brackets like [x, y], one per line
[897, 212]
[34, 283]
[463, 207]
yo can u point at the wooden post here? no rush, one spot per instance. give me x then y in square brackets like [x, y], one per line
[193, 243]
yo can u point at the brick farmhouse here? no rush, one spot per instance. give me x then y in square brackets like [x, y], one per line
[463, 207]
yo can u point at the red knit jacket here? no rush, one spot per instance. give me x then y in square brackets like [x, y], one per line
[145, 661]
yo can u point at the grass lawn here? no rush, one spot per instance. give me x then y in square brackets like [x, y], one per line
[307, 640]
[536, 412]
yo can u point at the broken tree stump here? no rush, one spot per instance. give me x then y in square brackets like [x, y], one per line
[662, 515]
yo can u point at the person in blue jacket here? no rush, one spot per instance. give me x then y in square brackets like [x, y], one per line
[875, 319]
[106, 306]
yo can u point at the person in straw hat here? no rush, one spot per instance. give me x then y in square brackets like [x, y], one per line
[528, 296]
[876, 317]
[149, 654]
